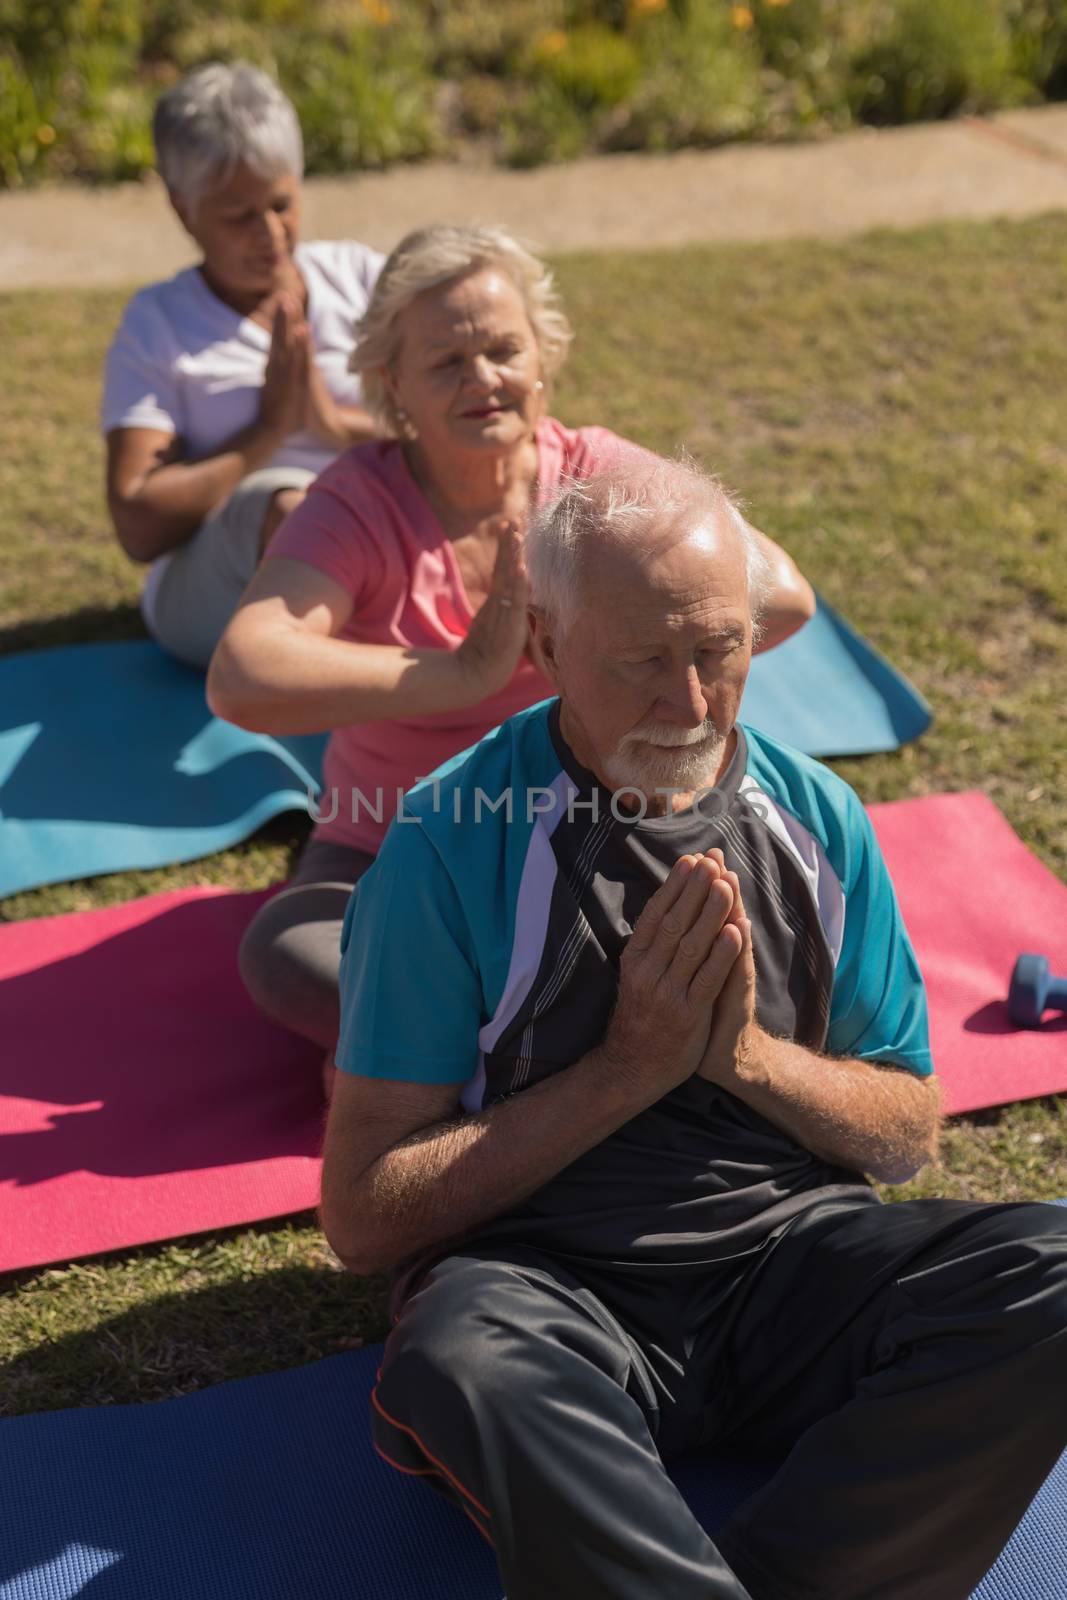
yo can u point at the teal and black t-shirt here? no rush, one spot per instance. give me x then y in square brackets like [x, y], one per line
[482, 950]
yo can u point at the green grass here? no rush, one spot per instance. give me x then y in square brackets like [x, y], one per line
[891, 409]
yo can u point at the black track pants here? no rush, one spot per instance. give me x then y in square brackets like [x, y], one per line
[908, 1363]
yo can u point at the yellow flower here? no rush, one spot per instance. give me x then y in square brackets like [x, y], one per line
[378, 12]
[46, 134]
[644, 8]
[550, 44]
[741, 17]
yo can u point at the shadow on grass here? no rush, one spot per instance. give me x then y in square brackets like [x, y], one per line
[191, 1338]
[90, 625]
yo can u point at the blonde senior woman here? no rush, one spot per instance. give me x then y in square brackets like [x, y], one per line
[227, 388]
[391, 608]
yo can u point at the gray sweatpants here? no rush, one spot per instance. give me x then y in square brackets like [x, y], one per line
[290, 955]
[192, 592]
[906, 1364]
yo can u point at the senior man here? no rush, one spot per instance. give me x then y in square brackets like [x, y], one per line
[628, 1011]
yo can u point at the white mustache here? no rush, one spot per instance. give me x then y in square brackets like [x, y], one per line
[669, 736]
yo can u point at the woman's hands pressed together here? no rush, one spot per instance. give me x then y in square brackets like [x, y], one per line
[284, 401]
[496, 639]
[295, 395]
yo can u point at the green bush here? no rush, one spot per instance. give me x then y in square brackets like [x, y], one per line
[591, 65]
[538, 80]
[103, 124]
[543, 124]
[486, 36]
[41, 33]
[702, 84]
[935, 59]
[481, 103]
[78, 78]
[571, 83]
[25, 131]
[807, 47]
[1039, 42]
[360, 105]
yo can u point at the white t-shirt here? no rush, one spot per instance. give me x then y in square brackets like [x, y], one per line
[186, 363]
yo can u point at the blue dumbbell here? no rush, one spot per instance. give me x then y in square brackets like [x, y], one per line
[1034, 991]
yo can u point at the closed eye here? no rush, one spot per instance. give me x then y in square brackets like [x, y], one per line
[721, 647]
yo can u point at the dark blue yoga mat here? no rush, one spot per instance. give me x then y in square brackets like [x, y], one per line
[111, 761]
[268, 1489]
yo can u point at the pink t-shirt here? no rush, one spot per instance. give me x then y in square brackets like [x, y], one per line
[366, 524]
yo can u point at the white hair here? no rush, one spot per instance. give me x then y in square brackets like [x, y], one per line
[435, 255]
[643, 502]
[221, 117]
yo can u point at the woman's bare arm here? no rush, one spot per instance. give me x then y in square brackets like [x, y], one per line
[279, 667]
[791, 602]
[157, 500]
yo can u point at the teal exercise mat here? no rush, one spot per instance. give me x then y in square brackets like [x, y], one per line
[110, 761]
[828, 692]
[268, 1489]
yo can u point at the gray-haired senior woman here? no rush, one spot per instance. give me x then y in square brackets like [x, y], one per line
[227, 388]
[391, 607]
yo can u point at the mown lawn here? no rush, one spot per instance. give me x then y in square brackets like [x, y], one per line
[892, 409]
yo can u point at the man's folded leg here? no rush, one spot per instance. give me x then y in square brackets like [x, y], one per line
[915, 1358]
[509, 1387]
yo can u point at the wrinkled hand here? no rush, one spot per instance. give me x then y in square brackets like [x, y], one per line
[733, 1026]
[489, 654]
[283, 401]
[679, 957]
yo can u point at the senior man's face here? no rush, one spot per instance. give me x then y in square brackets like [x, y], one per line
[652, 670]
[468, 373]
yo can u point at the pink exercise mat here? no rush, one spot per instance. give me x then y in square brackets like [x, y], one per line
[974, 898]
[142, 1097]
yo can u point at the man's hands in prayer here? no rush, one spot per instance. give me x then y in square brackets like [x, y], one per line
[676, 966]
[733, 1025]
[861, 1115]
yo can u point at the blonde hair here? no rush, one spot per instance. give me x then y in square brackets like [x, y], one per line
[432, 256]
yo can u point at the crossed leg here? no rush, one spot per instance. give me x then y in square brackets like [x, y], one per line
[512, 1389]
[908, 1361]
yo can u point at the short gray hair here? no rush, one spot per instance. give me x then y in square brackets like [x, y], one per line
[432, 256]
[221, 117]
[629, 503]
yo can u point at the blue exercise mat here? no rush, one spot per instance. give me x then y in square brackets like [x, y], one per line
[111, 761]
[826, 691]
[268, 1489]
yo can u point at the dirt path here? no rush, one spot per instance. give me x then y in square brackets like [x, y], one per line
[1011, 165]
